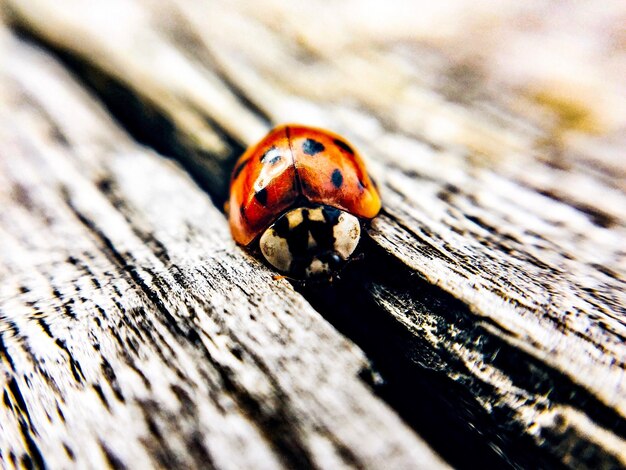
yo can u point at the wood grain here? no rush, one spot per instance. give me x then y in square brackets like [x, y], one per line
[494, 279]
[134, 332]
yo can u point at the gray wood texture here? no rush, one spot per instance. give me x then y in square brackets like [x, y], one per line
[491, 296]
[136, 332]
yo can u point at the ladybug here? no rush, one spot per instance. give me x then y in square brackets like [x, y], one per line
[300, 196]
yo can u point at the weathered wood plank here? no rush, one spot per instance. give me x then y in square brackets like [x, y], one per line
[134, 332]
[504, 193]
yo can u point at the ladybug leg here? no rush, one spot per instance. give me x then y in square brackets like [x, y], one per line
[358, 257]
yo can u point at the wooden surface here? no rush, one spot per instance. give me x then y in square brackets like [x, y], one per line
[491, 297]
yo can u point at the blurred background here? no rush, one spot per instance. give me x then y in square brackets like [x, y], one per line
[463, 75]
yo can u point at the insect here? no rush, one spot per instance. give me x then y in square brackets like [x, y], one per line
[300, 197]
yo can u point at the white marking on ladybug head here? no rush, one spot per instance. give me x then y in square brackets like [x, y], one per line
[316, 214]
[317, 268]
[275, 250]
[347, 233]
[310, 241]
[294, 217]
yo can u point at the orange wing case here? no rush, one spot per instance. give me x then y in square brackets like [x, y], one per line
[293, 161]
[331, 172]
[263, 183]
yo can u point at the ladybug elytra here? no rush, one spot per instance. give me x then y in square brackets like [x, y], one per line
[302, 194]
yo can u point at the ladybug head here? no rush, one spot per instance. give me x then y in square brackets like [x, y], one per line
[311, 242]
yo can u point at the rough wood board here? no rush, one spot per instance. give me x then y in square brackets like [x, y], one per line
[503, 184]
[134, 332]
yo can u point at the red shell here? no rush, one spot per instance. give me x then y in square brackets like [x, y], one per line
[292, 162]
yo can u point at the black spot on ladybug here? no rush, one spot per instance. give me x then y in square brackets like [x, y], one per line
[331, 215]
[281, 227]
[337, 178]
[261, 196]
[240, 166]
[342, 145]
[312, 147]
[271, 156]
